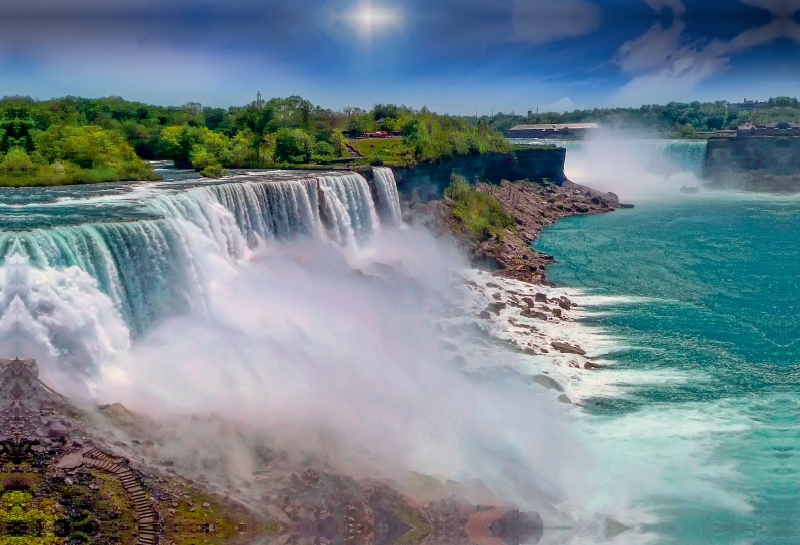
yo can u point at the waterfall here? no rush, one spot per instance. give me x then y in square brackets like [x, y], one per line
[689, 155]
[388, 197]
[151, 268]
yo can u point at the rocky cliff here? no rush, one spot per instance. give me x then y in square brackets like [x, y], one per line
[769, 164]
[533, 207]
[427, 181]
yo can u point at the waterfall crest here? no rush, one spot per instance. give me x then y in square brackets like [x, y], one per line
[153, 268]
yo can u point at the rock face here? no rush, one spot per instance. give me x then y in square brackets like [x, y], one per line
[427, 181]
[766, 164]
[533, 206]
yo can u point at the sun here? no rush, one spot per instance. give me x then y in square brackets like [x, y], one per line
[367, 17]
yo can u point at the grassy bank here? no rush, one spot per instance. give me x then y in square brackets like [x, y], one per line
[479, 213]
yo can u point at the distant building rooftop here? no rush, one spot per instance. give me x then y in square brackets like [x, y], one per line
[556, 126]
[553, 130]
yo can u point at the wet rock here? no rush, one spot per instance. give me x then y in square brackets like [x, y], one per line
[540, 298]
[548, 382]
[564, 399]
[528, 313]
[484, 315]
[557, 312]
[590, 365]
[565, 348]
[496, 307]
[515, 527]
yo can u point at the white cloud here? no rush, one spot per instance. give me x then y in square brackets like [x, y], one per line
[541, 21]
[564, 105]
[665, 67]
[778, 8]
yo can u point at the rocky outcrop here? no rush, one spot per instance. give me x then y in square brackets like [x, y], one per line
[533, 206]
[427, 181]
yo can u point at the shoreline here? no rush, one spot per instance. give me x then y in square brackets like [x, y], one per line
[533, 207]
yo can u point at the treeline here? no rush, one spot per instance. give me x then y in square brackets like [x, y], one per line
[106, 138]
[676, 119]
[38, 148]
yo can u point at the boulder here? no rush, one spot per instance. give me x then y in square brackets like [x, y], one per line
[547, 382]
[528, 313]
[565, 348]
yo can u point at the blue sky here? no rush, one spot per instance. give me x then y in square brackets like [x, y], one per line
[456, 56]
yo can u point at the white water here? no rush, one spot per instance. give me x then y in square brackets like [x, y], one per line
[289, 308]
[632, 166]
[386, 189]
[284, 306]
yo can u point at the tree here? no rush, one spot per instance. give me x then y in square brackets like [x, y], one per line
[257, 121]
[293, 146]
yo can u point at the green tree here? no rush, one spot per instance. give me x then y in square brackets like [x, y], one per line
[293, 146]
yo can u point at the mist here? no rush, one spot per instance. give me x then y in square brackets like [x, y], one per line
[362, 354]
[633, 164]
[335, 352]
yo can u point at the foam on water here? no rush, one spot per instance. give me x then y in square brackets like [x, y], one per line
[702, 388]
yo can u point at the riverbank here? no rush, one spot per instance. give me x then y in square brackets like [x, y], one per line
[533, 207]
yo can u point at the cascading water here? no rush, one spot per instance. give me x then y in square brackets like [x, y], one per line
[148, 265]
[688, 155]
[633, 167]
[657, 155]
[388, 197]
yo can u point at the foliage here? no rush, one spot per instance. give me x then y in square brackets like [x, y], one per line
[84, 137]
[213, 171]
[480, 213]
[21, 507]
[293, 146]
[676, 119]
[63, 154]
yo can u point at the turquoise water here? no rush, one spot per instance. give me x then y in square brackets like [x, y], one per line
[708, 357]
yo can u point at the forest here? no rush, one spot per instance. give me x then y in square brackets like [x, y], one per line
[78, 140]
[673, 120]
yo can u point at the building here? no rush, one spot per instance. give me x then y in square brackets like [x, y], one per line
[551, 130]
[770, 129]
[749, 105]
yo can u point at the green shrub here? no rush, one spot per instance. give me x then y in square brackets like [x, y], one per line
[479, 212]
[213, 171]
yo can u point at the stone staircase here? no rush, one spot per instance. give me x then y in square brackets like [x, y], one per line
[146, 515]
